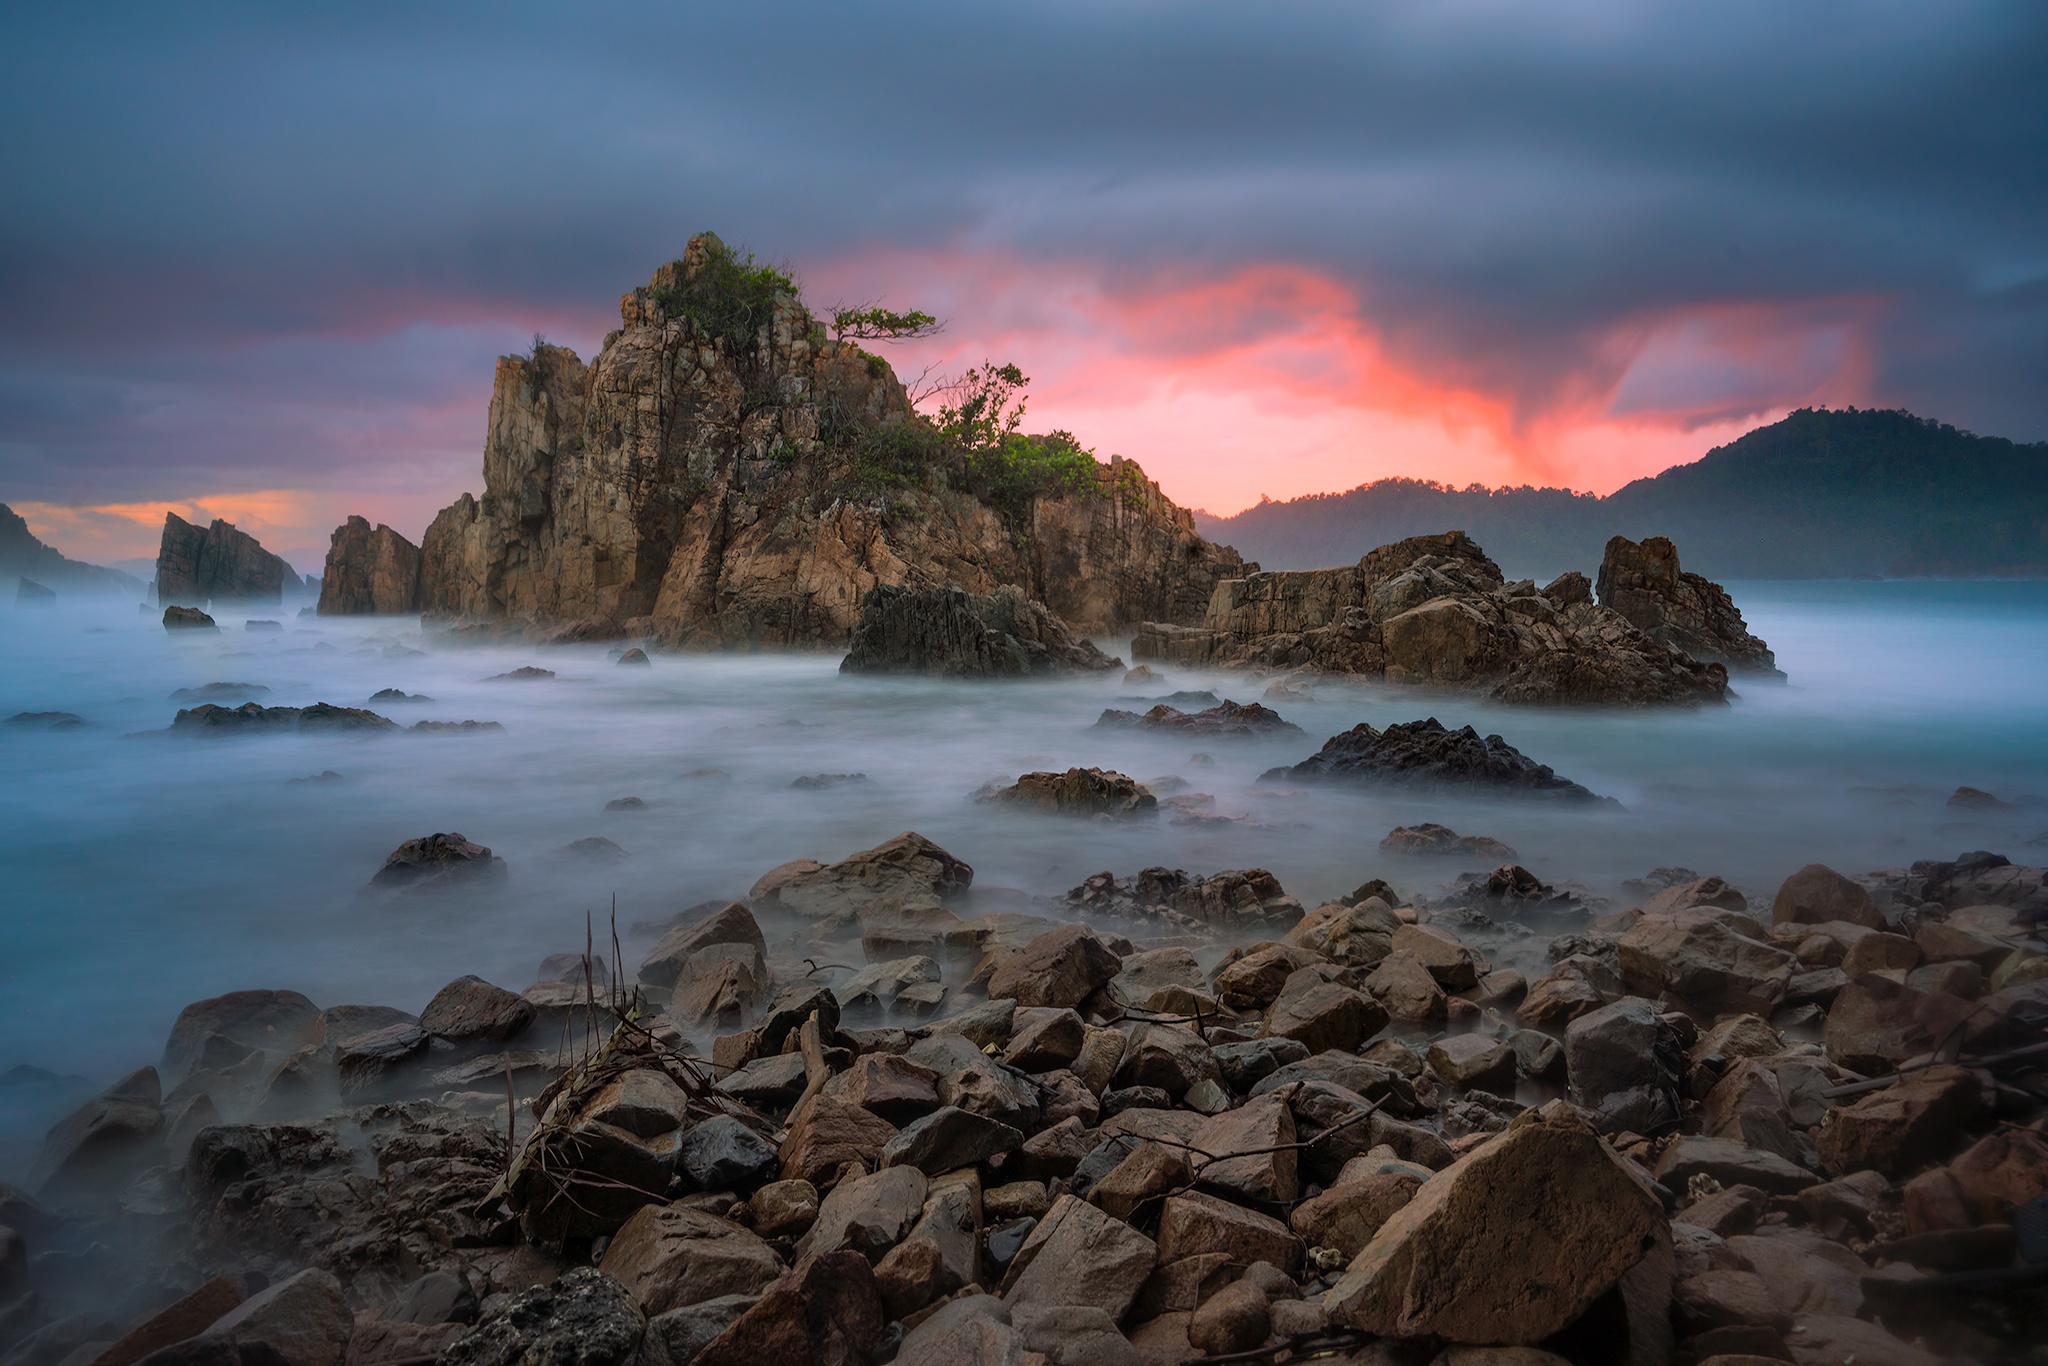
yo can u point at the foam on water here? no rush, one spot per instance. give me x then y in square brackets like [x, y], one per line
[142, 872]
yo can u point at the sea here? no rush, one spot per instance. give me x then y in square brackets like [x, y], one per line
[141, 870]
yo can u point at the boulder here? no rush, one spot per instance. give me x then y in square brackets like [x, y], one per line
[893, 1087]
[1347, 1215]
[274, 1021]
[952, 633]
[1455, 967]
[1641, 582]
[1899, 1130]
[1731, 1164]
[303, 1320]
[825, 1133]
[1077, 1254]
[1061, 967]
[908, 866]
[825, 1313]
[369, 571]
[1508, 1245]
[1694, 956]
[1440, 841]
[1876, 1023]
[1225, 720]
[188, 619]
[439, 861]
[1817, 894]
[1076, 792]
[1626, 1065]
[1262, 1176]
[1196, 1224]
[949, 1138]
[673, 1256]
[1321, 1015]
[1235, 1319]
[784, 1209]
[722, 1153]
[1425, 756]
[470, 1010]
[1356, 936]
[97, 1147]
[731, 924]
[179, 1321]
[868, 1214]
[1407, 991]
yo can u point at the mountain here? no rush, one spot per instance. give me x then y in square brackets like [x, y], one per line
[1822, 494]
[724, 474]
[23, 556]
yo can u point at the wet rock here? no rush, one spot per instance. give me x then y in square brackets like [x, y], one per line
[96, 1148]
[1899, 1130]
[949, 1138]
[634, 656]
[365, 1060]
[974, 1328]
[438, 861]
[1195, 1223]
[768, 1083]
[826, 1313]
[470, 1010]
[1508, 1245]
[2005, 1168]
[1347, 1215]
[1821, 1339]
[1046, 1038]
[1261, 1176]
[1076, 792]
[1061, 967]
[1168, 1057]
[1626, 1065]
[908, 866]
[1425, 756]
[1244, 1065]
[1235, 900]
[304, 1321]
[274, 1021]
[1079, 1255]
[909, 1277]
[1322, 1015]
[188, 619]
[46, 720]
[1729, 1213]
[1817, 894]
[1641, 581]
[210, 721]
[869, 1214]
[729, 925]
[1875, 1024]
[1455, 967]
[1440, 841]
[724, 1154]
[1470, 1061]
[525, 673]
[1225, 720]
[1558, 997]
[1731, 1164]
[672, 1257]
[1236, 1318]
[784, 1209]
[1406, 989]
[951, 633]
[177, 1322]
[1357, 935]
[826, 1133]
[683, 1333]
[586, 1318]
[895, 1088]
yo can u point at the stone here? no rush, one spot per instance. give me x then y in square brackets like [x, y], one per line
[730, 924]
[827, 1312]
[1150, 1171]
[220, 563]
[304, 1320]
[949, 1138]
[722, 1153]
[2005, 1168]
[1407, 991]
[673, 1256]
[1875, 1024]
[1440, 841]
[908, 866]
[1085, 792]
[1817, 894]
[1226, 720]
[436, 862]
[1052, 1153]
[1259, 1177]
[909, 1277]
[1507, 1245]
[1358, 935]
[1901, 1129]
[184, 1318]
[1641, 581]
[1705, 891]
[1425, 756]
[784, 1209]
[1748, 1105]
[1236, 1318]
[436, 1298]
[96, 1148]
[1739, 1036]
[1473, 1060]
[1323, 1015]
[1879, 951]
[1196, 1223]
[1558, 997]
[1722, 1299]
[381, 1340]
[1074, 1335]
[369, 571]
[1077, 1254]
[366, 1059]
[1166, 1056]
[1625, 1063]
[1695, 956]
[1046, 1038]
[1731, 1212]
[683, 1333]
[951, 633]
[971, 1080]
[971, 1329]
[1061, 967]
[868, 1214]
[1348, 1214]
[470, 1010]
[1731, 1164]
[274, 1021]
[188, 619]
[1455, 967]
[644, 1101]
[1824, 1339]
[826, 1133]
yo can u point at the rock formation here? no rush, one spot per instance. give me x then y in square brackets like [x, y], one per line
[723, 475]
[1436, 610]
[1642, 581]
[22, 555]
[218, 563]
[369, 572]
[1430, 757]
[1225, 720]
[955, 634]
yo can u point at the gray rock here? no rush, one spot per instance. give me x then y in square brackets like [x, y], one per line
[586, 1318]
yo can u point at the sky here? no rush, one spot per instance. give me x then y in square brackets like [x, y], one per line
[256, 260]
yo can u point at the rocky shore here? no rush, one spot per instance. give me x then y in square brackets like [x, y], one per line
[873, 1112]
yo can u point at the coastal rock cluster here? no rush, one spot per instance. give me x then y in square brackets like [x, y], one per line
[1435, 610]
[219, 562]
[853, 1119]
[700, 485]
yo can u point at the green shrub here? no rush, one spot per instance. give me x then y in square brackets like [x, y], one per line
[729, 297]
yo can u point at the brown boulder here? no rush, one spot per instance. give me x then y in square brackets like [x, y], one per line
[1079, 1255]
[2005, 1168]
[1347, 1215]
[1195, 1224]
[1236, 1318]
[472, 1011]
[1323, 1015]
[1696, 957]
[1507, 1245]
[1817, 894]
[827, 1313]
[1077, 792]
[1875, 1024]
[674, 1256]
[825, 1133]
[908, 866]
[1061, 967]
[1899, 1130]
[1261, 1176]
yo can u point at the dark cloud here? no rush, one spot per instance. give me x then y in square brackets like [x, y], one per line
[235, 212]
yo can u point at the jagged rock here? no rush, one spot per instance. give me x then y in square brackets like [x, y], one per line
[96, 1148]
[1436, 610]
[695, 513]
[433, 862]
[369, 571]
[180, 1321]
[1077, 1254]
[586, 1318]
[1643, 583]
[1425, 756]
[1076, 792]
[1875, 1024]
[1507, 1245]
[187, 619]
[1061, 967]
[1442, 841]
[826, 1313]
[254, 718]
[1358, 935]
[471, 1010]
[1262, 1176]
[1223, 721]
[908, 866]
[947, 1139]
[1234, 900]
[275, 1021]
[1732, 1164]
[674, 1257]
[1323, 1015]
[1817, 894]
[218, 563]
[825, 1133]
[1696, 957]
[955, 634]
[1195, 1223]
[724, 1154]
[1627, 1066]
[1347, 1215]
[302, 1321]
[1899, 1130]
[784, 1209]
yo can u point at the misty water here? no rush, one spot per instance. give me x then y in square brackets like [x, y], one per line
[143, 871]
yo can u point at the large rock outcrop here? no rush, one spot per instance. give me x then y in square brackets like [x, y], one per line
[369, 571]
[956, 634]
[196, 565]
[23, 556]
[723, 475]
[1435, 610]
[1430, 757]
[1642, 581]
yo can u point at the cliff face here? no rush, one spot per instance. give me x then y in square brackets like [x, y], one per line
[1435, 610]
[707, 487]
[23, 556]
[195, 566]
[369, 571]
[1642, 581]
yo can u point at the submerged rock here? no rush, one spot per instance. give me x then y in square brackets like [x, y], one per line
[1077, 792]
[956, 634]
[1442, 841]
[436, 861]
[908, 866]
[46, 720]
[1428, 756]
[253, 718]
[1225, 719]
[187, 619]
